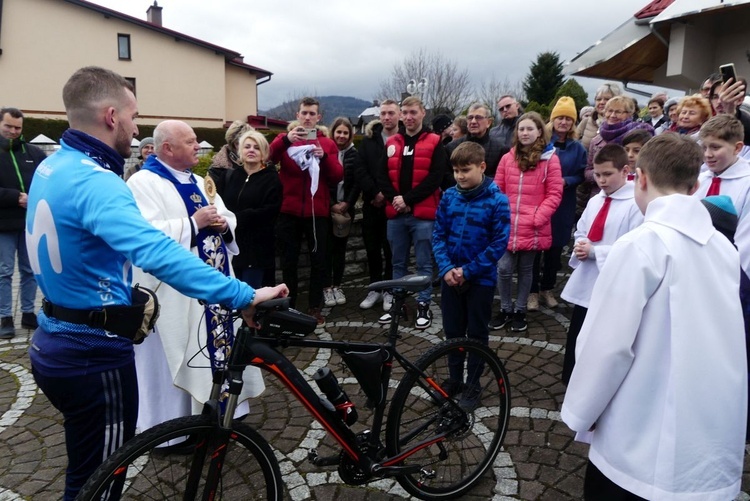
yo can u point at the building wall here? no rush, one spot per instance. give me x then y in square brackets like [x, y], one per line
[241, 94]
[45, 41]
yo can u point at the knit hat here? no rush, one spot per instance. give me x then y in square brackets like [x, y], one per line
[584, 110]
[145, 142]
[440, 123]
[723, 214]
[565, 107]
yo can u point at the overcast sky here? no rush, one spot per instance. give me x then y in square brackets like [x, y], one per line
[344, 47]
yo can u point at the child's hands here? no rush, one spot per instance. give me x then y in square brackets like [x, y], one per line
[454, 277]
[582, 249]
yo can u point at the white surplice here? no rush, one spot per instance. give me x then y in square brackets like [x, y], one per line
[174, 357]
[660, 361]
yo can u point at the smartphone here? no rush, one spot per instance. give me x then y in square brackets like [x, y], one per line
[312, 134]
[727, 72]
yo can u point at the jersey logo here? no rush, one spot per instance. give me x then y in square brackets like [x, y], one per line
[408, 151]
[43, 225]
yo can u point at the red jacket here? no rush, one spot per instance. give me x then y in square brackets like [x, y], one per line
[534, 196]
[296, 198]
[423, 151]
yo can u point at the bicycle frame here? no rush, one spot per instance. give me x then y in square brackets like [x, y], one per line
[252, 349]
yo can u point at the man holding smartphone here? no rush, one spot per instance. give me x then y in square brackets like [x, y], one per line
[309, 166]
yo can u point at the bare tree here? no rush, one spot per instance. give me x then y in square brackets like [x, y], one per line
[490, 90]
[288, 109]
[448, 87]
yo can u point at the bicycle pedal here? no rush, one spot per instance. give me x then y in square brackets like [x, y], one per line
[318, 460]
[426, 474]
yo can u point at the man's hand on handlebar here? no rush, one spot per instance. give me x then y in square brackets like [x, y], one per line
[263, 294]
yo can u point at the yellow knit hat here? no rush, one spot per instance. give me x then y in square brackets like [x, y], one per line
[565, 107]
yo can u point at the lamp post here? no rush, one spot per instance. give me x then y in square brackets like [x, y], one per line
[414, 87]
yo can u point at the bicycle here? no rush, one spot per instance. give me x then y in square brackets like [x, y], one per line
[436, 445]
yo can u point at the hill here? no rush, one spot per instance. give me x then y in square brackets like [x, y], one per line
[332, 107]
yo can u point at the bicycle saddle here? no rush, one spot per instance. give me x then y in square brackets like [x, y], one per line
[410, 283]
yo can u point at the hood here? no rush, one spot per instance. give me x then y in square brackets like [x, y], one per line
[374, 127]
[548, 152]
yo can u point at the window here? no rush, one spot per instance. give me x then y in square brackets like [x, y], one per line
[123, 46]
[132, 82]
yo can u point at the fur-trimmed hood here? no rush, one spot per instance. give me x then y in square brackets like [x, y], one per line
[370, 128]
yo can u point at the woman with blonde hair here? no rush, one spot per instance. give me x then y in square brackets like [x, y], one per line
[228, 156]
[253, 193]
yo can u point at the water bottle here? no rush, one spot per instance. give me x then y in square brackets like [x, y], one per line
[328, 384]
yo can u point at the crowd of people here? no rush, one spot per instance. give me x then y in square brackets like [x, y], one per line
[659, 247]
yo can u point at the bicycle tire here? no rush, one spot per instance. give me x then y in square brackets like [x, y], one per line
[419, 412]
[250, 470]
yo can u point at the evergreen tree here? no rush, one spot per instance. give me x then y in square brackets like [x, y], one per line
[544, 79]
[572, 89]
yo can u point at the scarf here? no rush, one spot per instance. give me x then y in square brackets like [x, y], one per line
[682, 130]
[613, 133]
[211, 250]
[95, 150]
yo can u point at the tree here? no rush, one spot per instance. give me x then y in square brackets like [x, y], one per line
[490, 91]
[544, 79]
[288, 109]
[572, 89]
[448, 87]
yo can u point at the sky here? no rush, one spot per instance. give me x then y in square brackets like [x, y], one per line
[344, 47]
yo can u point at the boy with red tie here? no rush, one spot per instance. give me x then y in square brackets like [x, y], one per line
[609, 214]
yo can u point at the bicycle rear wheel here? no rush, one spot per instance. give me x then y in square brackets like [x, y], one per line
[156, 464]
[456, 371]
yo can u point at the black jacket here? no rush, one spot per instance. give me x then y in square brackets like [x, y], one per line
[370, 162]
[503, 133]
[18, 161]
[351, 185]
[256, 201]
[493, 150]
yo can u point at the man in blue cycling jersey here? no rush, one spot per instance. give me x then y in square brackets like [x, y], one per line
[84, 233]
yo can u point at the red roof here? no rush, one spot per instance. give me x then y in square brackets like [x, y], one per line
[653, 9]
[232, 57]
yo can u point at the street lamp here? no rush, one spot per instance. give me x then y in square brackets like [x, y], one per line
[414, 87]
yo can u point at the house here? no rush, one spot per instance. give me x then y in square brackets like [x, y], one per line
[42, 42]
[671, 43]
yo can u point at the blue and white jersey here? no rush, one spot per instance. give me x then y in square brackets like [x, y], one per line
[83, 230]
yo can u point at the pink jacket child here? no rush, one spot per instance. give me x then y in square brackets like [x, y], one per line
[534, 196]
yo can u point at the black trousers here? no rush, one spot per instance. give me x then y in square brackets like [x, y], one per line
[576, 322]
[379, 257]
[290, 231]
[597, 487]
[548, 263]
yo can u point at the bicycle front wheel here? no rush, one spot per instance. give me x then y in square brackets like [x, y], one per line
[171, 461]
[460, 406]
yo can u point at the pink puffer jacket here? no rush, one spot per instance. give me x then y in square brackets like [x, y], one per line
[534, 196]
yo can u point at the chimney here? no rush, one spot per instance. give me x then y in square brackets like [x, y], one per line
[153, 14]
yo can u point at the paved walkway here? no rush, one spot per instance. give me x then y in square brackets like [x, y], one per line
[540, 460]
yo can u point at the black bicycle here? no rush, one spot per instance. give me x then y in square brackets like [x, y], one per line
[445, 423]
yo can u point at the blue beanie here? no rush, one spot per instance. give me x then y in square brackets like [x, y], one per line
[723, 214]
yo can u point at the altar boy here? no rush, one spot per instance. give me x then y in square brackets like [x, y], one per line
[660, 384]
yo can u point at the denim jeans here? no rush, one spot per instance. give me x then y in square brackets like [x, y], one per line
[12, 242]
[404, 230]
[524, 262]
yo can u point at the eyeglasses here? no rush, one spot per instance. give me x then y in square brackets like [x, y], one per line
[478, 118]
[506, 107]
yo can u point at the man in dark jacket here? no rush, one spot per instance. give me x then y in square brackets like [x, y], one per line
[509, 111]
[18, 161]
[478, 121]
[371, 157]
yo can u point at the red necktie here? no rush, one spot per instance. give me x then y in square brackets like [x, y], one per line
[597, 227]
[714, 188]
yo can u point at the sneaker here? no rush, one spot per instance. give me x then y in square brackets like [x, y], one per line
[471, 397]
[7, 330]
[339, 296]
[28, 321]
[549, 298]
[518, 324]
[328, 298]
[387, 301]
[315, 312]
[372, 298]
[501, 320]
[424, 316]
[532, 304]
[452, 387]
[385, 318]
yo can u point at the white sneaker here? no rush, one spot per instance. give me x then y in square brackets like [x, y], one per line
[387, 301]
[328, 298]
[339, 296]
[372, 298]
[385, 319]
